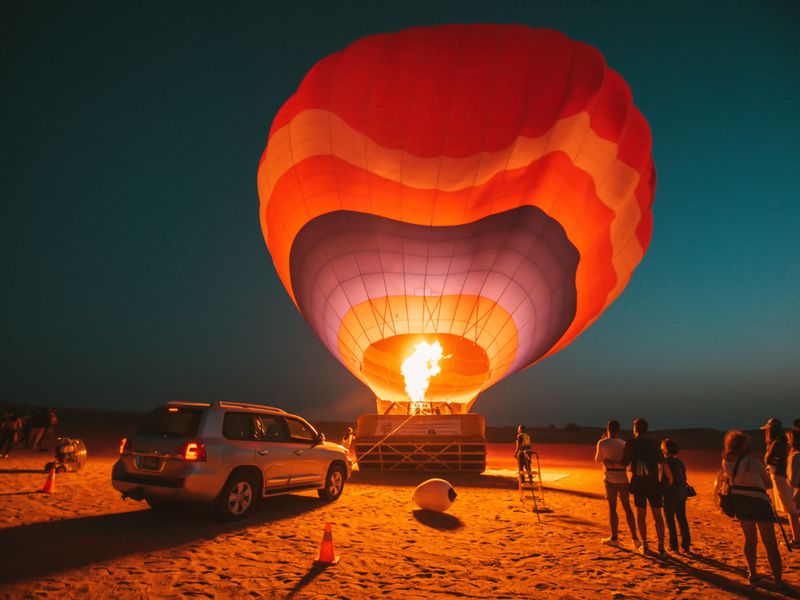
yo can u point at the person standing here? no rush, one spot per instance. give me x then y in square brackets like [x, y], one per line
[39, 420]
[12, 426]
[6, 434]
[648, 470]
[348, 438]
[523, 451]
[749, 483]
[675, 497]
[49, 437]
[793, 471]
[610, 450]
[777, 461]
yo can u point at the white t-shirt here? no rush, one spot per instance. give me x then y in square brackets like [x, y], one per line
[751, 473]
[609, 452]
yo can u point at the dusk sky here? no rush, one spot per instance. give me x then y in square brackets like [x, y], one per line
[134, 270]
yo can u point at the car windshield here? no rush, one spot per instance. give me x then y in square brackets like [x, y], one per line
[300, 432]
[172, 421]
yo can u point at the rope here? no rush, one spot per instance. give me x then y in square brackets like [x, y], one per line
[386, 437]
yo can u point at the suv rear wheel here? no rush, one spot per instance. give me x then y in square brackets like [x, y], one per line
[238, 497]
[334, 483]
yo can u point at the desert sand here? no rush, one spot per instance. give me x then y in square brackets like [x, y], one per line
[83, 541]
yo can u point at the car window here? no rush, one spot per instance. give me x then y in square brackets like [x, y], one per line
[238, 426]
[268, 428]
[299, 431]
[172, 421]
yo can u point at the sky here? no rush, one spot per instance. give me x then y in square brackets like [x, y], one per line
[134, 270]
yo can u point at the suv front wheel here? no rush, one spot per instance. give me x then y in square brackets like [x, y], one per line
[334, 483]
[238, 497]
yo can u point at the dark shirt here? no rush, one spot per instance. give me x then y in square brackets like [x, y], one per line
[642, 454]
[777, 456]
[678, 488]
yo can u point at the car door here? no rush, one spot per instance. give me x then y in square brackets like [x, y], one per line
[307, 467]
[274, 454]
[261, 438]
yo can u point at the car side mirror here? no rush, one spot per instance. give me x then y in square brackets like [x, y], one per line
[319, 439]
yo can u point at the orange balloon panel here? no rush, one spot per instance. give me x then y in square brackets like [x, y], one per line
[487, 186]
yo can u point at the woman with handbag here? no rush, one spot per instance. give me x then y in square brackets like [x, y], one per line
[751, 506]
[793, 472]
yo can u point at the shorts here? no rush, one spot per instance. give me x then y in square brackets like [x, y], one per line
[748, 508]
[524, 460]
[783, 492]
[617, 489]
[647, 491]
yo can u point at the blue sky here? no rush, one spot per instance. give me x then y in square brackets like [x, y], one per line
[135, 272]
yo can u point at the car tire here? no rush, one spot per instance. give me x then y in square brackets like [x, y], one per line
[334, 483]
[238, 497]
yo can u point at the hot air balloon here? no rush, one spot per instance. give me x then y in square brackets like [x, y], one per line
[486, 189]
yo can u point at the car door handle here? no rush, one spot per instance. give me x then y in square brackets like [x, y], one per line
[298, 452]
[263, 452]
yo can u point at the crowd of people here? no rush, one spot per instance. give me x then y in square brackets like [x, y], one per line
[655, 476]
[36, 430]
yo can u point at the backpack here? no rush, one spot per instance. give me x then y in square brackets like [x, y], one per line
[645, 461]
[724, 490]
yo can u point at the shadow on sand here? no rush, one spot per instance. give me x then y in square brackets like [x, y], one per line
[18, 471]
[440, 521]
[41, 549]
[740, 586]
[312, 574]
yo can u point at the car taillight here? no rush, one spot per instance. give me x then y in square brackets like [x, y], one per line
[194, 451]
[124, 445]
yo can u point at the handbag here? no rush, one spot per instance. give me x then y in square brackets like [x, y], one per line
[725, 492]
[690, 491]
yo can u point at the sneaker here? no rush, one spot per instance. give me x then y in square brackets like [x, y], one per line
[610, 541]
[637, 543]
[674, 549]
[643, 549]
[662, 552]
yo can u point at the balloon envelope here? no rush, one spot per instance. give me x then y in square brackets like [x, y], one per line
[486, 186]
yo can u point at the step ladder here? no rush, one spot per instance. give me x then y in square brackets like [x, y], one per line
[531, 487]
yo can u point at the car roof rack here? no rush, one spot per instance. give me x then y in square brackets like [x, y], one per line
[227, 404]
[182, 403]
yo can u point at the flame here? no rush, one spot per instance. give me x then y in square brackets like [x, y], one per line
[418, 369]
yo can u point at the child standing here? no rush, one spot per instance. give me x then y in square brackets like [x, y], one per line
[675, 496]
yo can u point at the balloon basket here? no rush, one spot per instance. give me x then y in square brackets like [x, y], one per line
[424, 443]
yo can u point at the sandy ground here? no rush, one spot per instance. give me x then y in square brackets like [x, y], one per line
[85, 542]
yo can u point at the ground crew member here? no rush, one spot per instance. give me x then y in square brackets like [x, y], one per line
[348, 438]
[523, 451]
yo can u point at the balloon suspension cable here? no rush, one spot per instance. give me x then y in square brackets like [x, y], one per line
[386, 437]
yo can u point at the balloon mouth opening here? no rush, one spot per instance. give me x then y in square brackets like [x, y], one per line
[464, 372]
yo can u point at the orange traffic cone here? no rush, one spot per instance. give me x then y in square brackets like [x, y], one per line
[326, 554]
[50, 485]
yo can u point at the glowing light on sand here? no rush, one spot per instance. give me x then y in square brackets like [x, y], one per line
[418, 369]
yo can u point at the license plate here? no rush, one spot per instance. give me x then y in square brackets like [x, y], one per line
[148, 462]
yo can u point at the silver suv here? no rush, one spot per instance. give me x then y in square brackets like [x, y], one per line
[227, 454]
